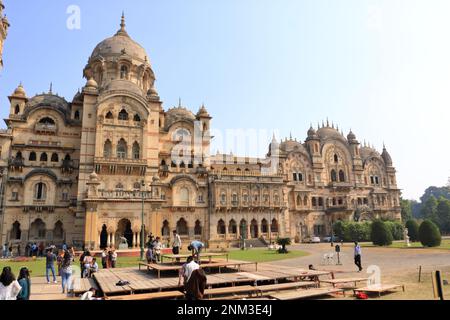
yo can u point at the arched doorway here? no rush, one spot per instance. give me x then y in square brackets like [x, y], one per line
[16, 233]
[104, 237]
[254, 229]
[165, 231]
[182, 227]
[37, 230]
[58, 231]
[243, 229]
[124, 230]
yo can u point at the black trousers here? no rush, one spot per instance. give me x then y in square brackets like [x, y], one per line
[358, 262]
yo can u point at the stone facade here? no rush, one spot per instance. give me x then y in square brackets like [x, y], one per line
[4, 25]
[90, 171]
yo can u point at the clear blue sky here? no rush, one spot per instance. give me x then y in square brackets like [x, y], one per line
[381, 68]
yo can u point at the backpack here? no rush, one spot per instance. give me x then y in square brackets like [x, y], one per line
[362, 296]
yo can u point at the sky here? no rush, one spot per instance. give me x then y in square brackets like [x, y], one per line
[380, 68]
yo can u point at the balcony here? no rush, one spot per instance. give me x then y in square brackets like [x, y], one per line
[120, 194]
[125, 161]
[45, 128]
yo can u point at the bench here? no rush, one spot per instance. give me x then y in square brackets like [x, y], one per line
[230, 291]
[304, 294]
[379, 288]
[150, 296]
[285, 286]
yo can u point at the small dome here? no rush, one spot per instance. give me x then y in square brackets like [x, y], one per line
[92, 84]
[152, 92]
[124, 85]
[77, 97]
[93, 176]
[202, 112]
[178, 114]
[328, 133]
[386, 157]
[20, 92]
[312, 134]
[351, 136]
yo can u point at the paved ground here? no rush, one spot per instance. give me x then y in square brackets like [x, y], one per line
[396, 265]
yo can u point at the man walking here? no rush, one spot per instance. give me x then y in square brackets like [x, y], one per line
[50, 265]
[176, 244]
[358, 256]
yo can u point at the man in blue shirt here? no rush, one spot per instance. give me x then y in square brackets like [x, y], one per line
[358, 256]
[50, 265]
[196, 247]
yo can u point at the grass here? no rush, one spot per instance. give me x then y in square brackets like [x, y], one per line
[414, 245]
[253, 255]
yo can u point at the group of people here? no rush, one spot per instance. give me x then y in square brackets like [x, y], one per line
[109, 258]
[64, 260]
[88, 264]
[154, 247]
[12, 288]
[7, 251]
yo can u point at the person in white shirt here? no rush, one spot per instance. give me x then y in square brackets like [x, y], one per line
[157, 246]
[9, 286]
[89, 295]
[176, 244]
[187, 269]
[358, 256]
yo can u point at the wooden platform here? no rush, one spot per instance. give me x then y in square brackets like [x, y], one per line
[84, 285]
[305, 294]
[183, 257]
[142, 282]
[380, 288]
[344, 281]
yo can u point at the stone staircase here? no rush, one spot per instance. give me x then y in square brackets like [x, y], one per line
[256, 243]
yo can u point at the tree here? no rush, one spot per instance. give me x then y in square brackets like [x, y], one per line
[429, 209]
[283, 242]
[380, 234]
[406, 207]
[443, 214]
[436, 192]
[413, 230]
[429, 234]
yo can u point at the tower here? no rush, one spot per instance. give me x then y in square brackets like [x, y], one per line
[4, 25]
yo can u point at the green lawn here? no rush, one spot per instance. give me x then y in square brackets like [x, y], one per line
[414, 245]
[253, 255]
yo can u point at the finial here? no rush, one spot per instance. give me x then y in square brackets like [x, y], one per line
[51, 88]
[179, 102]
[328, 123]
[122, 22]
[332, 124]
[290, 135]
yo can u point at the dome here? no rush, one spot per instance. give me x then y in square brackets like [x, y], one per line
[351, 136]
[327, 133]
[386, 157]
[92, 84]
[120, 44]
[125, 85]
[292, 146]
[202, 113]
[48, 99]
[152, 92]
[312, 134]
[20, 92]
[178, 114]
[78, 97]
[368, 152]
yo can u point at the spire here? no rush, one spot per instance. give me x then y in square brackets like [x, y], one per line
[290, 135]
[122, 31]
[328, 123]
[179, 102]
[50, 91]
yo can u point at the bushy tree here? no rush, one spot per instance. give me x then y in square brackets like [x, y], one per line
[429, 234]
[381, 235]
[406, 207]
[443, 214]
[352, 231]
[413, 230]
[429, 209]
[396, 229]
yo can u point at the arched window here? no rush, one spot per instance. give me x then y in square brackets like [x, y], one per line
[243, 229]
[67, 157]
[274, 226]
[77, 115]
[163, 163]
[182, 227]
[119, 187]
[314, 202]
[17, 109]
[254, 229]
[182, 165]
[341, 176]
[44, 157]
[16, 233]
[336, 158]
[137, 186]
[19, 156]
[305, 201]
[122, 149]
[33, 156]
[107, 149]
[184, 196]
[40, 191]
[221, 227]
[58, 231]
[198, 228]
[137, 118]
[123, 72]
[299, 200]
[300, 177]
[264, 226]
[136, 151]
[232, 227]
[165, 231]
[47, 122]
[333, 176]
[320, 202]
[55, 157]
[109, 116]
[123, 115]
[37, 229]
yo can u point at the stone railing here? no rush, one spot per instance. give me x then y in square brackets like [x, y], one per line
[120, 194]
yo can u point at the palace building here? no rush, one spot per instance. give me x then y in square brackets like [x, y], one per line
[4, 25]
[99, 167]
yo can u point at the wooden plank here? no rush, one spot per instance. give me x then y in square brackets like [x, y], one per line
[380, 288]
[150, 296]
[285, 286]
[304, 294]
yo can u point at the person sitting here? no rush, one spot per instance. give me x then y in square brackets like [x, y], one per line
[94, 267]
[196, 247]
[90, 295]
